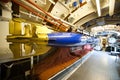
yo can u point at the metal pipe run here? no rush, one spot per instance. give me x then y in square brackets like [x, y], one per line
[31, 2]
[63, 28]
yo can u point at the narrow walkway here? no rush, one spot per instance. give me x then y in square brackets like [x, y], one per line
[100, 66]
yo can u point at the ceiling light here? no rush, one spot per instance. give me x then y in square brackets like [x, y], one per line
[98, 7]
[111, 7]
[52, 1]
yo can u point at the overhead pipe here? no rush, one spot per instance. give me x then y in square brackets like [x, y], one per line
[31, 10]
[31, 2]
[36, 13]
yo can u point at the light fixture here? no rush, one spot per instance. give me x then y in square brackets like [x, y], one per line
[52, 2]
[111, 7]
[98, 7]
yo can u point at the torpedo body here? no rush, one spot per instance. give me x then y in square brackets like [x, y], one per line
[65, 39]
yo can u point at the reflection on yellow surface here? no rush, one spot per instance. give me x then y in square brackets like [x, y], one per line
[16, 49]
[20, 50]
[42, 37]
[28, 31]
[15, 26]
[42, 29]
[27, 38]
[20, 27]
[28, 48]
[41, 49]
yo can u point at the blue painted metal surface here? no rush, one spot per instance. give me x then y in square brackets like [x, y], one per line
[75, 4]
[80, 1]
[64, 38]
[68, 39]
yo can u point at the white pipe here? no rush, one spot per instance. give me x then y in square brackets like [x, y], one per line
[29, 14]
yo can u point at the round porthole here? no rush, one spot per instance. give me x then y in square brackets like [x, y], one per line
[111, 40]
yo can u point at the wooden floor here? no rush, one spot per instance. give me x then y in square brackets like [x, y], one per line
[100, 66]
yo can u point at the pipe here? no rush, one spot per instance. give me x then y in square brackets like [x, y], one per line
[34, 12]
[31, 10]
[30, 1]
[28, 14]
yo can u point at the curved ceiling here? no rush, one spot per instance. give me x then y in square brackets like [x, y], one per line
[77, 13]
[87, 12]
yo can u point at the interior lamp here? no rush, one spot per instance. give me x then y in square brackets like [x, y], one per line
[111, 7]
[98, 7]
